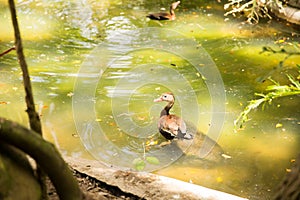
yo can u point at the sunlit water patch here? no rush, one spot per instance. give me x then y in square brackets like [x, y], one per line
[34, 25]
[123, 68]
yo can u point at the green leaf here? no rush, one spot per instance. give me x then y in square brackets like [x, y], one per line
[139, 164]
[152, 160]
[273, 92]
[293, 81]
[278, 87]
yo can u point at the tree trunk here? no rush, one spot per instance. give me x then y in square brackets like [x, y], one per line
[290, 187]
[17, 179]
[45, 154]
[294, 3]
[290, 12]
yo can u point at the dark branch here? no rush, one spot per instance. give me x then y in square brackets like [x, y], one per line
[34, 119]
[7, 51]
[45, 154]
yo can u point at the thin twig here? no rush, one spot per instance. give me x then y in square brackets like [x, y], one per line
[32, 114]
[7, 51]
[34, 119]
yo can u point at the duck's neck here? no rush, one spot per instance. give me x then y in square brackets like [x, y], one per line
[166, 110]
[172, 11]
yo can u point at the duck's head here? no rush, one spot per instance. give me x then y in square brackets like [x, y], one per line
[174, 5]
[168, 97]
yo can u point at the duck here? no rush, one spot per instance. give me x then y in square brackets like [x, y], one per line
[169, 125]
[165, 16]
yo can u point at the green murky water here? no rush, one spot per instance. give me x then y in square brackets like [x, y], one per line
[59, 36]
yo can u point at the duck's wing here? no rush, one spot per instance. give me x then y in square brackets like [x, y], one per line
[182, 131]
[174, 126]
[168, 127]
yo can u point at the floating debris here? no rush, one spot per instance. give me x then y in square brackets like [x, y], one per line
[226, 156]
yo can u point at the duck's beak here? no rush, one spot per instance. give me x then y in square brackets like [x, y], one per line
[158, 99]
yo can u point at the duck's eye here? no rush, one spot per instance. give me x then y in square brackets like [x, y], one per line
[165, 96]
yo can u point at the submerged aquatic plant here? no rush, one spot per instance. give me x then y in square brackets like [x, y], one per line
[286, 48]
[141, 162]
[254, 9]
[288, 53]
[273, 92]
[276, 90]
